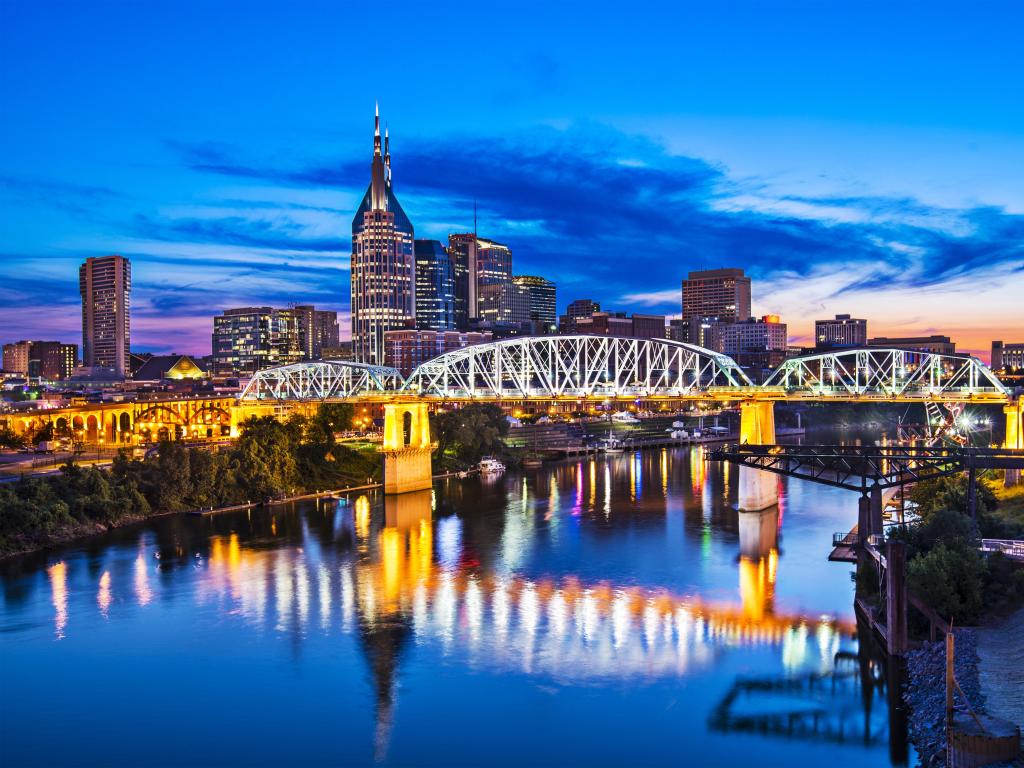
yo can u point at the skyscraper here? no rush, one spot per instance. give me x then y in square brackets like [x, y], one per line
[105, 283]
[383, 268]
[317, 328]
[543, 312]
[248, 339]
[843, 331]
[477, 262]
[716, 293]
[435, 287]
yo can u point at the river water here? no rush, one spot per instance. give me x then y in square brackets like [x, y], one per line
[607, 611]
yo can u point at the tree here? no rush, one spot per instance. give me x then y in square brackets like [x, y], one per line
[471, 432]
[265, 456]
[10, 439]
[950, 580]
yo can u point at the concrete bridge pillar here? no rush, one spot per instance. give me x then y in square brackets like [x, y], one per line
[406, 448]
[759, 533]
[758, 489]
[1014, 435]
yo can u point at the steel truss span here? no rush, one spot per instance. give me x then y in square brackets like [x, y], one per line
[886, 373]
[576, 366]
[321, 380]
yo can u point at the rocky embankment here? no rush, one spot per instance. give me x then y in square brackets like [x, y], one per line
[925, 693]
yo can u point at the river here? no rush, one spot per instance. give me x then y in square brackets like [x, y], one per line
[606, 611]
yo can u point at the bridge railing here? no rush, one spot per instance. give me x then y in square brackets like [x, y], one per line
[1010, 547]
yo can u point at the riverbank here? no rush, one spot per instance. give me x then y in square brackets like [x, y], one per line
[925, 692]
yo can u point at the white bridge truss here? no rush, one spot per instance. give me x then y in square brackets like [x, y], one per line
[321, 380]
[894, 373]
[575, 366]
[542, 367]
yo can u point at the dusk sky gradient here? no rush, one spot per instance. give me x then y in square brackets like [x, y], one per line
[863, 158]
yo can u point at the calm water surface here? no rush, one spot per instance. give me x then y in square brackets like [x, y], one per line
[610, 611]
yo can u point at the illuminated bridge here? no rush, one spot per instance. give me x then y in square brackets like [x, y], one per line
[553, 368]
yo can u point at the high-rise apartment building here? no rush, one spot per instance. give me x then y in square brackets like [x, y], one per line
[16, 356]
[317, 329]
[383, 268]
[720, 293]
[105, 283]
[542, 299]
[435, 287]
[843, 331]
[248, 339]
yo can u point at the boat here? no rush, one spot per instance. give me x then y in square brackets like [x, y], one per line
[611, 444]
[490, 466]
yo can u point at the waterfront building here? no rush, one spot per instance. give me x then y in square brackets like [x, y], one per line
[721, 293]
[51, 360]
[247, 339]
[383, 267]
[1006, 358]
[408, 348]
[842, 331]
[105, 283]
[317, 328]
[940, 345]
[542, 301]
[435, 287]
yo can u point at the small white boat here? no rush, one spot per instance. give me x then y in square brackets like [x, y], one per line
[490, 466]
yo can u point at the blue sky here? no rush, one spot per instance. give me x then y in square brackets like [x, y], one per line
[854, 157]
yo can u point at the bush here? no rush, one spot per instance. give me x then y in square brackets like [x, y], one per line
[950, 580]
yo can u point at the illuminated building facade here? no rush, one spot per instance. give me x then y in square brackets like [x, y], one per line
[543, 301]
[939, 345]
[52, 360]
[408, 348]
[843, 331]
[504, 303]
[576, 309]
[1005, 357]
[383, 266]
[105, 284]
[317, 330]
[478, 262]
[719, 293]
[248, 339]
[435, 287]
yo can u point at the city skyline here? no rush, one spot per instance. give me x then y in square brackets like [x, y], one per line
[892, 207]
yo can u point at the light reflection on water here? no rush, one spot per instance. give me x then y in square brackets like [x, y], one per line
[631, 574]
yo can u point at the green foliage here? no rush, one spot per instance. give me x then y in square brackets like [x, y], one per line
[9, 439]
[950, 580]
[950, 493]
[270, 458]
[470, 432]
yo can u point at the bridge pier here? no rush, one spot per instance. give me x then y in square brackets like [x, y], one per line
[406, 448]
[1014, 436]
[758, 489]
[759, 533]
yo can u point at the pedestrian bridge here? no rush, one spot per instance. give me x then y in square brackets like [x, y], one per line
[578, 367]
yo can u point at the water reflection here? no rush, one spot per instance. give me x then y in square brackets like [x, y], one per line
[627, 571]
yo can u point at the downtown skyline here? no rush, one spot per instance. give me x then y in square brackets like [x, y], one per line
[887, 205]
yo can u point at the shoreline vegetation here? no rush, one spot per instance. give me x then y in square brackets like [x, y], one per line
[272, 461]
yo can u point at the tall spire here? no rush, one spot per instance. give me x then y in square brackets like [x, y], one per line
[387, 156]
[378, 173]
